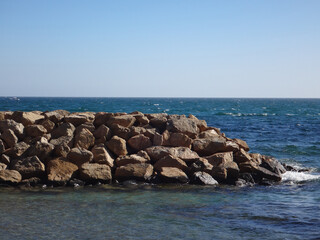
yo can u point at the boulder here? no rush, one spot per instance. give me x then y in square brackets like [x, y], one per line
[18, 150]
[5, 159]
[228, 171]
[87, 125]
[92, 172]
[131, 159]
[161, 139]
[117, 145]
[170, 161]
[124, 120]
[201, 124]
[242, 156]
[79, 156]
[61, 150]
[201, 165]
[9, 137]
[272, 165]
[203, 178]
[141, 119]
[232, 146]
[265, 173]
[120, 131]
[84, 139]
[28, 167]
[48, 125]
[102, 131]
[208, 134]
[159, 122]
[181, 124]
[102, 118]
[242, 144]
[139, 142]
[56, 116]
[139, 171]
[35, 130]
[27, 118]
[208, 146]
[10, 176]
[17, 128]
[77, 119]
[180, 140]
[3, 166]
[64, 140]
[158, 152]
[65, 129]
[102, 156]
[60, 171]
[173, 175]
[220, 158]
[41, 149]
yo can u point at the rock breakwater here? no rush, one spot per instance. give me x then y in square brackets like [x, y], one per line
[59, 148]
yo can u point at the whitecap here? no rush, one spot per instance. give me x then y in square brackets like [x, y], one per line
[156, 104]
[291, 176]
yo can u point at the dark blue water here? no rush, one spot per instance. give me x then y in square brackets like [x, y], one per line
[288, 129]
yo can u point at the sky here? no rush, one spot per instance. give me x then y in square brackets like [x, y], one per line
[160, 48]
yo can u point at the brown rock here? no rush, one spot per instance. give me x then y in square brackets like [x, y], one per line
[61, 150]
[18, 150]
[242, 156]
[139, 142]
[220, 158]
[201, 124]
[87, 125]
[56, 116]
[102, 131]
[130, 159]
[158, 152]
[79, 156]
[35, 130]
[242, 144]
[27, 118]
[272, 165]
[102, 118]
[60, 171]
[180, 140]
[209, 146]
[143, 154]
[232, 146]
[5, 159]
[3, 166]
[48, 125]
[77, 119]
[64, 140]
[120, 131]
[9, 138]
[65, 129]
[140, 171]
[124, 120]
[265, 173]
[17, 128]
[181, 124]
[102, 156]
[203, 178]
[28, 167]
[84, 139]
[117, 145]
[225, 171]
[159, 122]
[10, 176]
[173, 175]
[170, 161]
[208, 134]
[92, 172]
[41, 149]
[201, 165]
[141, 119]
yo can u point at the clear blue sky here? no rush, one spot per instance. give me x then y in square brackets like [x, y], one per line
[174, 48]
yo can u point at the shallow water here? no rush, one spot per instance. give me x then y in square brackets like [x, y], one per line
[288, 129]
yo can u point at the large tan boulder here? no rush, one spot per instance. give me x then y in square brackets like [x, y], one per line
[181, 124]
[139, 142]
[220, 158]
[139, 171]
[65, 129]
[60, 171]
[41, 149]
[158, 152]
[17, 128]
[28, 167]
[118, 146]
[208, 146]
[77, 118]
[242, 156]
[159, 122]
[102, 131]
[9, 138]
[131, 159]
[124, 120]
[91, 172]
[170, 161]
[208, 134]
[56, 115]
[84, 139]
[201, 165]
[35, 130]
[10, 176]
[102, 156]
[173, 175]
[227, 171]
[79, 156]
[18, 150]
[180, 140]
[48, 125]
[102, 118]
[27, 118]
[242, 144]
[121, 131]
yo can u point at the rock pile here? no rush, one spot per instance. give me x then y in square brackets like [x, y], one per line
[59, 147]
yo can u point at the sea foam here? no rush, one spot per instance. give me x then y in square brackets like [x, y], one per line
[291, 176]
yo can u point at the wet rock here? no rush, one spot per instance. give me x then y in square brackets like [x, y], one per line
[140, 171]
[182, 124]
[79, 156]
[170, 161]
[28, 167]
[10, 176]
[35, 130]
[102, 156]
[203, 178]
[209, 146]
[84, 139]
[60, 171]
[265, 173]
[92, 172]
[272, 165]
[139, 142]
[9, 138]
[131, 159]
[117, 145]
[173, 175]
[65, 129]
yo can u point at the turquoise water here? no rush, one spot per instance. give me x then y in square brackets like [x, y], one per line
[288, 129]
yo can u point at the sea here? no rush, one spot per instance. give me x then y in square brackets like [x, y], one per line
[287, 129]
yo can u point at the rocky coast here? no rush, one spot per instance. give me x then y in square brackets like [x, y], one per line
[62, 148]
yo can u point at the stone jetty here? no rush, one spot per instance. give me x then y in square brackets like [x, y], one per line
[62, 148]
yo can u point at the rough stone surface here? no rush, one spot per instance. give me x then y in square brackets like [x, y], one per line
[2, 147]
[65, 129]
[139, 142]
[95, 172]
[60, 171]
[158, 152]
[173, 175]
[117, 145]
[220, 158]
[17, 128]
[48, 125]
[3, 166]
[42, 150]
[76, 119]
[102, 156]
[9, 138]
[10, 176]
[84, 139]
[201, 165]
[56, 116]
[140, 171]
[183, 125]
[124, 120]
[18, 150]
[208, 146]
[170, 161]
[28, 167]
[35, 130]
[203, 178]
[102, 131]
[131, 159]
[242, 156]
[27, 118]
[180, 140]
[79, 156]
[5, 159]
